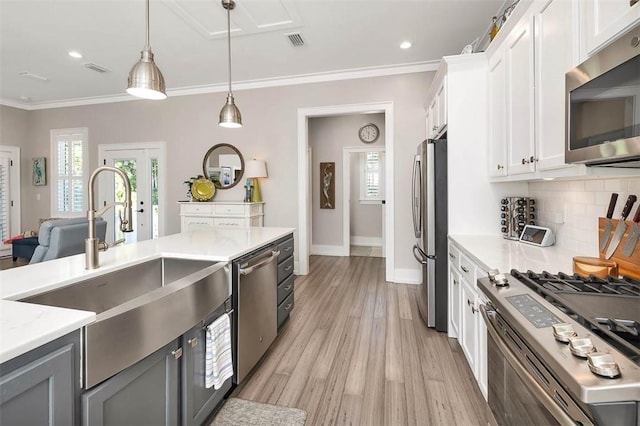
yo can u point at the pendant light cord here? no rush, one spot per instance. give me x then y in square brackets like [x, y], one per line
[229, 43]
[146, 28]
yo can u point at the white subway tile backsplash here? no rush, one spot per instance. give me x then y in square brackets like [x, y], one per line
[594, 185]
[580, 203]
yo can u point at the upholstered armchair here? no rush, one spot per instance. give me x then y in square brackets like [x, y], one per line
[64, 237]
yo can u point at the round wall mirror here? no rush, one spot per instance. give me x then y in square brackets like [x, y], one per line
[224, 165]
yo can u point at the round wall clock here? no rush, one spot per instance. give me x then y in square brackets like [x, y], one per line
[369, 133]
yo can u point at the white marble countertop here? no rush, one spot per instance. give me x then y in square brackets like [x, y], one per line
[495, 252]
[26, 326]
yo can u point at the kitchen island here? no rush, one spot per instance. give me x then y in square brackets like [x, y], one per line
[153, 302]
[26, 326]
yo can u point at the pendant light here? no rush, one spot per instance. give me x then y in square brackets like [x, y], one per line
[230, 114]
[145, 79]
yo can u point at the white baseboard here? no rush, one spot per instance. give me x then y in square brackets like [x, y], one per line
[366, 241]
[325, 250]
[407, 276]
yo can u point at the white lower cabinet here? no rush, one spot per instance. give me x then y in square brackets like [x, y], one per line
[468, 337]
[465, 320]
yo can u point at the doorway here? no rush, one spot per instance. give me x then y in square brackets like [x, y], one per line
[304, 194]
[364, 201]
[144, 164]
[9, 196]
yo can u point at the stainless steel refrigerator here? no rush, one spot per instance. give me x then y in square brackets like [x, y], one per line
[429, 208]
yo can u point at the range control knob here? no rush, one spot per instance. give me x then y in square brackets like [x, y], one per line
[603, 364]
[563, 332]
[581, 346]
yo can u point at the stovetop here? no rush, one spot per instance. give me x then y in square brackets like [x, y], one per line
[604, 313]
[609, 307]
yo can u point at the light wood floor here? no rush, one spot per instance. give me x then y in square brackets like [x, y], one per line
[356, 352]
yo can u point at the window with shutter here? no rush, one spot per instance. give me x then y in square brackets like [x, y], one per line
[371, 177]
[70, 169]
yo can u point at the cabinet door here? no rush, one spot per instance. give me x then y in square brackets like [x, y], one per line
[40, 392]
[520, 89]
[553, 58]
[454, 302]
[433, 119]
[469, 318]
[441, 101]
[198, 402]
[497, 116]
[144, 394]
[605, 20]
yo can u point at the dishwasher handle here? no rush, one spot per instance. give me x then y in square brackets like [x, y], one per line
[250, 269]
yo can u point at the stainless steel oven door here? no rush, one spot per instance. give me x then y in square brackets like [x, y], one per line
[521, 390]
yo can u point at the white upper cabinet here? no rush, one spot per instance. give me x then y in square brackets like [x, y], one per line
[527, 92]
[520, 88]
[437, 110]
[497, 116]
[554, 56]
[603, 21]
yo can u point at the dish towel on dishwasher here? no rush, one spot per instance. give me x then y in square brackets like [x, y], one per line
[218, 364]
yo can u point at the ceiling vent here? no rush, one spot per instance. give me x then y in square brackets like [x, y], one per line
[295, 39]
[96, 67]
[33, 76]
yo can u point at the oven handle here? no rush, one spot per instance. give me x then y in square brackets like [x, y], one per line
[549, 403]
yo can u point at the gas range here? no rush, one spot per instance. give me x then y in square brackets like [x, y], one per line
[581, 333]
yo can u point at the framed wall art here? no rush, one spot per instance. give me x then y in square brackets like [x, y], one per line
[328, 185]
[39, 171]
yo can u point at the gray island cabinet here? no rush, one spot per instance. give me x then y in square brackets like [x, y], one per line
[42, 386]
[165, 388]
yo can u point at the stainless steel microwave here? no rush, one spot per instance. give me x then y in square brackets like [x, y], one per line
[603, 106]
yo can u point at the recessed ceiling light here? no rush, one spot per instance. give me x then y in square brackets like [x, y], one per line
[75, 54]
[548, 178]
[24, 98]
[405, 45]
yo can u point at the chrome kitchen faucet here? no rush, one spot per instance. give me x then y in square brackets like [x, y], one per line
[92, 244]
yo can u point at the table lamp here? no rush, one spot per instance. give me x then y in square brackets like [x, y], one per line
[255, 169]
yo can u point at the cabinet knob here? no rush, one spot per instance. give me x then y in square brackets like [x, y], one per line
[193, 342]
[177, 353]
[455, 282]
[452, 256]
[464, 269]
[525, 161]
[533, 159]
[435, 128]
[500, 167]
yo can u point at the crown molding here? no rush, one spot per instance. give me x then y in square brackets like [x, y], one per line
[350, 74]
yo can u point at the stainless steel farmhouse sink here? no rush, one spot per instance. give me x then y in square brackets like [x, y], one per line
[140, 309]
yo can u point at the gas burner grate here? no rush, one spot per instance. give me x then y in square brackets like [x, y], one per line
[577, 283]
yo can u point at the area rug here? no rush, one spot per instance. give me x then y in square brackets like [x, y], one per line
[240, 412]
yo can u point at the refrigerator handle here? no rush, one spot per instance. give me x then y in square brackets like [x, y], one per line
[414, 204]
[419, 255]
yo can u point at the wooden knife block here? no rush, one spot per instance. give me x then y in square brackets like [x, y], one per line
[627, 265]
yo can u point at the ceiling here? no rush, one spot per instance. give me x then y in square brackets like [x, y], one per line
[188, 38]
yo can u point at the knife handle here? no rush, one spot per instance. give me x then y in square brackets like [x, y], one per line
[636, 218]
[612, 205]
[627, 207]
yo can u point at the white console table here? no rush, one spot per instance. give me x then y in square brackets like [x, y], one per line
[201, 215]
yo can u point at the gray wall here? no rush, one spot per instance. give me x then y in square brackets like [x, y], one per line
[13, 132]
[327, 137]
[188, 124]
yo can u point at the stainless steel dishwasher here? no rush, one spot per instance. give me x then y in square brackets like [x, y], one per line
[255, 298]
